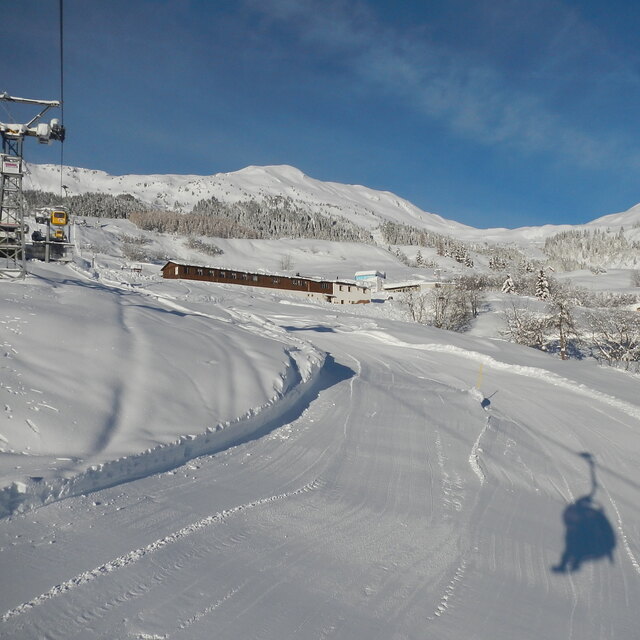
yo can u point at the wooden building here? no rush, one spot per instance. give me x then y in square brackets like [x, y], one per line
[338, 292]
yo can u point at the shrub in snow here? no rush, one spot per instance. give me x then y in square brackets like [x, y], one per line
[473, 286]
[615, 336]
[286, 263]
[207, 248]
[553, 328]
[524, 325]
[448, 308]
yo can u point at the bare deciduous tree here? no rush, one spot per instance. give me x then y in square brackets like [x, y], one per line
[286, 262]
[443, 307]
[615, 335]
[561, 320]
[416, 303]
[524, 325]
[473, 287]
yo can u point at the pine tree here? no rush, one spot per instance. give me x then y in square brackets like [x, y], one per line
[542, 286]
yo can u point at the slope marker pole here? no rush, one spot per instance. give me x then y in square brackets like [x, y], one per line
[479, 380]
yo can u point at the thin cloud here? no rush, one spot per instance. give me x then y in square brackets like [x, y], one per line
[473, 99]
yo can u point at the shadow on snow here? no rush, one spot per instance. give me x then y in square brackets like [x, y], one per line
[588, 532]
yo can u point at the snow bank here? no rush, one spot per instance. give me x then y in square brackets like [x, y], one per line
[23, 496]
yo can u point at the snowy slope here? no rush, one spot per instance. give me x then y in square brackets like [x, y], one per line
[363, 206]
[224, 462]
[627, 218]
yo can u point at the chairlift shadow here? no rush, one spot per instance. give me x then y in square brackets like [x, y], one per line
[318, 327]
[589, 535]
[486, 402]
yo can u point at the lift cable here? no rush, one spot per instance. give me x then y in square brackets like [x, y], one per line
[60, 5]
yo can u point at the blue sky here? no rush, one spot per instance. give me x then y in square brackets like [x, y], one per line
[497, 113]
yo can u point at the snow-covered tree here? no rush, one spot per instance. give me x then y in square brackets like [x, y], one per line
[286, 262]
[508, 285]
[591, 249]
[615, 336]
[443, 307]
[473, 286]
[208, 248]
[97, 205]
[402, 257]
[416, 304]
[524, 325]
[542, 286]
[561, 320]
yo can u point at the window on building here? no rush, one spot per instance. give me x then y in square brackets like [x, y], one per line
[212, 272]
[223, 274]
[324, 285]
[200, 271]
[275, 280]
[255, 278]
[233, 275]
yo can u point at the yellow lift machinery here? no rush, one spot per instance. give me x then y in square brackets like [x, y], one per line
[51, 240]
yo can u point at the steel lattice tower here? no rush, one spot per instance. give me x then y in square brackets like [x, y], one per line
[12, 226]
[12, 250]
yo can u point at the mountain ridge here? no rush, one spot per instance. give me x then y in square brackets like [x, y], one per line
[361, 205]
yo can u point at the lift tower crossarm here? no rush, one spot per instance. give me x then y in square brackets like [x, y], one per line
[47, 103]
[24, 129]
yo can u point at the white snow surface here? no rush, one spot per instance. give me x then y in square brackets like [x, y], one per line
[194, 460]
[362, 205]
[629, 218]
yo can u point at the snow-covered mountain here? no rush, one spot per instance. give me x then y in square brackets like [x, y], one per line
[627, 218]
[363, 206]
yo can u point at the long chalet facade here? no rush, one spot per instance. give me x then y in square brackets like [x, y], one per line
[335, 291]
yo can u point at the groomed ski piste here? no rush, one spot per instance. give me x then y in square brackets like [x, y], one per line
[189, 460]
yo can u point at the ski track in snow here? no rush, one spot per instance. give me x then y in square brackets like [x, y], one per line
[623, 536]
[185, 624]
[474, 459]
[137, 554]
[449, 591]
[531, 372]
